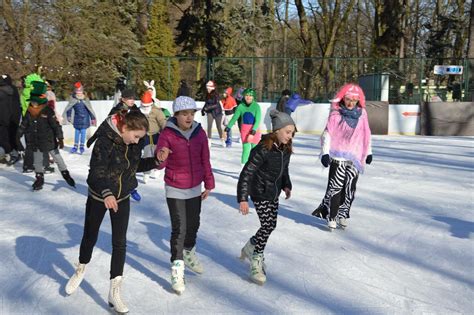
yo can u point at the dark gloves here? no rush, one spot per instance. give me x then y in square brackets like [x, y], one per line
[61, 143]
[368, 160]
[325, 160]
[203, 112]
[253, 132]
[226, 129]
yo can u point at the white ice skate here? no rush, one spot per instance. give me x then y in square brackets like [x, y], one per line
[191, 261]
[332, 224]
[257, 272]
[146, 177]
[342, 222]
[177, 276]
[223, 143]
[76, 279]
[247, 251]
[115, 299]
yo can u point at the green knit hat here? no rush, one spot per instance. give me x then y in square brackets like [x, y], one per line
[249, 91]
[38, 92]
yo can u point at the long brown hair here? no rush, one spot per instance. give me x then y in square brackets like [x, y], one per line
[132, 119]
[271, 139]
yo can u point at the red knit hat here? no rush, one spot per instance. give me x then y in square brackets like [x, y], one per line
[147, 99]
[78, 87]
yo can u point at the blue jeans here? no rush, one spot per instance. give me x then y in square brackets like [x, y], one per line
[80, 137]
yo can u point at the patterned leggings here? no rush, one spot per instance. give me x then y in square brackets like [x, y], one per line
[267, 213]
[341, 189]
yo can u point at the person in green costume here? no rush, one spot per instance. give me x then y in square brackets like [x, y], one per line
[27, 87]
[250, 112]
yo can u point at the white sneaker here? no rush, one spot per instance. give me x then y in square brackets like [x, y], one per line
[342, 222]
[76, 279]
[332, 224]
[191, 261]
[146, 177]
[177, 276]
[257, 273]
[115, 298]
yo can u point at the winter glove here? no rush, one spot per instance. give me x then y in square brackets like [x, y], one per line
[253, 132]
[93, 122]
[203, 112]
[61, 143]
[325, 160]
[368, 160]
[226, 129]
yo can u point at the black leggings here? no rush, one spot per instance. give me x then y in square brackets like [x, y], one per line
[95, 211]
[185, 220]
[267, 213]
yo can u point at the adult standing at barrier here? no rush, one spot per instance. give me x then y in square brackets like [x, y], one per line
[10, 114]
[281, 105]
[213, 109]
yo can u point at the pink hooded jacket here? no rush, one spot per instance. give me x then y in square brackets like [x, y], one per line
[189, 163]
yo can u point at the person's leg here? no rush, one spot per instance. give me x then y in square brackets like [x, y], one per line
[82, 139]
[38, 161]
[352, 175]
[177, 210]
[28, 159]
[5, 139]
[246, 148]
[95, 211]
[119, 222]
[219, 126]
[210, 119]
[267, 214]
[58, 159]
[77, 136]
[333, 191]
[193, 219]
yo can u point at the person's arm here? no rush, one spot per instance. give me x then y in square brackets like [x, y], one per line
[236, 116]
[160, 119]
[147, 164]
[54, 124]
[163, 142]
[209, 182]
[285, 180]
[99, 173]
[255, 161]
[258, 117]
[213, 103]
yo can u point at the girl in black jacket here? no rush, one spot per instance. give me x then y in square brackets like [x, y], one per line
[263, 178]
[115, 159]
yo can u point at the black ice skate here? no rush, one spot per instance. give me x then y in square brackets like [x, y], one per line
[68, 178]
[38, 184]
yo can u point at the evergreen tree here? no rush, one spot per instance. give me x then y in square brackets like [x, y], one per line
[159, 45]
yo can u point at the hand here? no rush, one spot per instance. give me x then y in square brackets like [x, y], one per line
[61, 143]
[69, 120]
[205, 194]
[368, 160]
[203, 112]
[163, 154]
[325, 160]
[226, 129]
[111, 203]
[287, 192]
[93, 122]
[253, 132]
[244, 207]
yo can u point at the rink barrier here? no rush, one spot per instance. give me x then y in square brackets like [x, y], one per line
[384, 118]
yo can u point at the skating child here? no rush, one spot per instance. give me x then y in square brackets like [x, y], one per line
[346, 148]
[262, 179]
[213, 109]
[184, 150]
[80, 113]
[229, 104]
[43, 134]
[250, 112]
[115, 159]
[156, 121]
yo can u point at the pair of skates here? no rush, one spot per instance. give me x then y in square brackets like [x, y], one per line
[333, 223]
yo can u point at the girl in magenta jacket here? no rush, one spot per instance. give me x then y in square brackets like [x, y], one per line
[184, 153]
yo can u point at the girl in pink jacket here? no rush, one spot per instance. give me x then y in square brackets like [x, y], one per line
[184, 152]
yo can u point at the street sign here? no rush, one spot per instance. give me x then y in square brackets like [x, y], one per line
[446, 70]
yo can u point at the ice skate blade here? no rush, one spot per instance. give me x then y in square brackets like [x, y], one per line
[116, 312]
[261, 283]
[178, 292]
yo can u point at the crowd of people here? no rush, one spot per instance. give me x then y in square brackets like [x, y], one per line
[146, 138]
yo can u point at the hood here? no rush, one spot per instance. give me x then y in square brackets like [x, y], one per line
[172, 123]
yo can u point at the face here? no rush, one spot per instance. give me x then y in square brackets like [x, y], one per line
[185, 118]
[128, 101]
[284, 135]
[132, 136]
[34, 104]
[350, 101]
[248, 98]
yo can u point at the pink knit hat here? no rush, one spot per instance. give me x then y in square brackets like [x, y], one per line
[353, 91]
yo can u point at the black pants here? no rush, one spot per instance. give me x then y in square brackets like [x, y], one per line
[185, 220]
[95, 211]
[340, 191]
[5, 138]
[28, 159]
[267, 214]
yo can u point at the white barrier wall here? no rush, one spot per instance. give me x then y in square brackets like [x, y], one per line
[403, 119]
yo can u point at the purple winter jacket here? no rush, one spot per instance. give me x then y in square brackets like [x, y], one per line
[189, 163]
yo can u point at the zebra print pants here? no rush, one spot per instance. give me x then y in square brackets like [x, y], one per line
[341, 189]
[267, 213]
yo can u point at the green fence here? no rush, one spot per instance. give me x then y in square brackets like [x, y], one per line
[398, 81]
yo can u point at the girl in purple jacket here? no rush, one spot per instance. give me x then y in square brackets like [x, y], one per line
[184, 153]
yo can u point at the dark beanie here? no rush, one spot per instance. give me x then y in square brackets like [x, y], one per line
[280, 120]
[128, 93]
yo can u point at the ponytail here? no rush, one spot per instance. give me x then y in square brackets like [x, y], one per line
[132, 119]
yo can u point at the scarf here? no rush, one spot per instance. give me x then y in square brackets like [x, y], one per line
[350, 116]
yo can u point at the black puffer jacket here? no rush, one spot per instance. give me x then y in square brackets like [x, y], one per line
[114, 164]
[10, 107]
[265, 174]
[41, 131]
